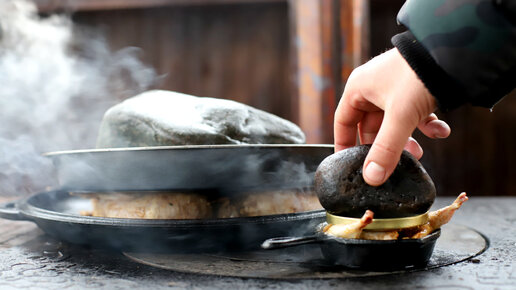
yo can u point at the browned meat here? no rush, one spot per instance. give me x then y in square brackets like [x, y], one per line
[388, 235]
[167, 205]
[151, 206]
[269, 203]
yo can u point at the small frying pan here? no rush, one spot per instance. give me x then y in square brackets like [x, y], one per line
[382, 255]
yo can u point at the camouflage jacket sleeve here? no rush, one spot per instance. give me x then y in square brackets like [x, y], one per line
[464, 51]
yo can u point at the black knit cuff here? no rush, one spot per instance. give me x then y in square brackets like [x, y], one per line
[447, 92]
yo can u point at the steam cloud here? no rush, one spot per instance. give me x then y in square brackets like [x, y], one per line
[56, 81]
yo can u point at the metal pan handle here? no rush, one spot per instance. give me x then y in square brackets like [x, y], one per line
[281, 242]
[10, 211]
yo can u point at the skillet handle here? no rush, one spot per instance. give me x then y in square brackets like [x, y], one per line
[282, 242]
[10, 211]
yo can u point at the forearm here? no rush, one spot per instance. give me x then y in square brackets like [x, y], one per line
[463, 51]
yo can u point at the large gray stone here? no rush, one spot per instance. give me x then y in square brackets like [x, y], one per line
[160, 118]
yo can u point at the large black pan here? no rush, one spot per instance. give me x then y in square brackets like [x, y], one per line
[217, 168]
[384, 255]
[57, 213]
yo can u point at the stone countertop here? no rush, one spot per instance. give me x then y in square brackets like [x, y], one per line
[29, 259]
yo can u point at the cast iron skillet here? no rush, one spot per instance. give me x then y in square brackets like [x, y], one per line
[215, 168]
[366, 254]
[57, 213]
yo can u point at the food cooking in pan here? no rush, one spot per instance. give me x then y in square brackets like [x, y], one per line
[149, 205]
[356, 230]
[172, 205]
[397, 209]
[268, 203]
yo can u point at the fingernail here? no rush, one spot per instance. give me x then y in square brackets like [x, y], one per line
[374, 172]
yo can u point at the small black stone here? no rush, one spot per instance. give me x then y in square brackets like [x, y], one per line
[342, 190]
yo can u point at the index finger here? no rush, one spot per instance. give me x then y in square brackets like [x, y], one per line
[345, 125]
[386, 150]
[351, 111]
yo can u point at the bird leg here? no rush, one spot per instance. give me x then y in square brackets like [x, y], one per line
[440, 217]
[350, 231]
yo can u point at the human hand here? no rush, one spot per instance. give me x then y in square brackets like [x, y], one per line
[385, 101]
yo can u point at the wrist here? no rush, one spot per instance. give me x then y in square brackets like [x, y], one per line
[445, 91]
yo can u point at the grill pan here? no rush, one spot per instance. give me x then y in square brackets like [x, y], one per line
[57, 213]
[228, 169]
[383, 255]
[213, 170]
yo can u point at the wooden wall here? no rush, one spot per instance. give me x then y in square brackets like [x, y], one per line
[234, 51]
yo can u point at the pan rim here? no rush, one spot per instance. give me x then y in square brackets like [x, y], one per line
[185, 147]
[27, 208]
[434, 235]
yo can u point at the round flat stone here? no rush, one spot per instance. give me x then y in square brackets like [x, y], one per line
[342, 190]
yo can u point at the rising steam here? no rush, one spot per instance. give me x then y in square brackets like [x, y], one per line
[56, 81]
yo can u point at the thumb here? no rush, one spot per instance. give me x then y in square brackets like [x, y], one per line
[384, 155]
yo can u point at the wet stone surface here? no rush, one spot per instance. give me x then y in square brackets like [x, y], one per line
[457, 243]
[29, 259]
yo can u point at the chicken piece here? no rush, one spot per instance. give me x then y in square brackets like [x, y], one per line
[382, 235]
[440, 217]
[350, 231]
[149, 205]
[268, 203]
